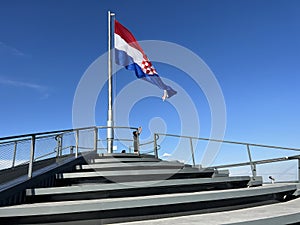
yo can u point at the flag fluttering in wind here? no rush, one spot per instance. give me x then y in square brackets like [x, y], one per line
[128, 53]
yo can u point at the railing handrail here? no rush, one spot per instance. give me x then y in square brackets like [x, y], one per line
[13, 138]
[257, 162]
[117, 139]
[232, 142]
[58, 136]
[150, 142]
[252, 163]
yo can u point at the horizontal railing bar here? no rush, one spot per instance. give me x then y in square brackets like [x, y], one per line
[102, 140]
[62, 131]
[118, 127]
[64, 148]
[231, 142]
[149, 142]
[85, 148]
[42, 156]
[23, 163]
[11, 142]
[265, 161]
[34, 134]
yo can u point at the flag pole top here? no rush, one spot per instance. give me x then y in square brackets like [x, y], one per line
[111, 13]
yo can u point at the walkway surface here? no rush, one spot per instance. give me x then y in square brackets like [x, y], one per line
[280, 213]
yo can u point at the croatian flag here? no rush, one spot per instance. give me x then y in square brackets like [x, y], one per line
[128, 53]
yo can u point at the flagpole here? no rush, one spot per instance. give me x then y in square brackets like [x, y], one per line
[110, 122]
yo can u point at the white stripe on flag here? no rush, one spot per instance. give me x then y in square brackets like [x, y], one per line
[135, 54]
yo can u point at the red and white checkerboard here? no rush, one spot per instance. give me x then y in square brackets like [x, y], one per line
[148, 68]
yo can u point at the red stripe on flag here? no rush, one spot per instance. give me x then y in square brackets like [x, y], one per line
[124, 33]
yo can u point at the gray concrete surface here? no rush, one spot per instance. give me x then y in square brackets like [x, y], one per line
[81, 206]
[280, 213]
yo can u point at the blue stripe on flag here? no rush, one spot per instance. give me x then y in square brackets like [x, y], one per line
[125, 60]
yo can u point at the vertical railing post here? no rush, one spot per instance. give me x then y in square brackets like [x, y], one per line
[76, 143]
[61, 145]
[96, 139]
[57, 151]
[32, 150]
[15, 154]
[138, 143]
[155, 147]
[253, 166]
[299, 170]
[192, 151]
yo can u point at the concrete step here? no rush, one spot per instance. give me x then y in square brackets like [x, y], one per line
[132, 160]
[123, 155]
[130, 166]
[127, 189]
[124, 209]
[132, 175]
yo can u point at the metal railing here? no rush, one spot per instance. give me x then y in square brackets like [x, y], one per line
[149, 147]
[247, 146]
[29, 148]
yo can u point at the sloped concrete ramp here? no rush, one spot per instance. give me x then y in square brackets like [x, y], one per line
[274, 214]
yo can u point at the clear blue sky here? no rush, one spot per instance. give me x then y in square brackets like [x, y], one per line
[252, 46]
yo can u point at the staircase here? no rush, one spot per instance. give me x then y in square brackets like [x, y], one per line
[94, 188]
[125, 187]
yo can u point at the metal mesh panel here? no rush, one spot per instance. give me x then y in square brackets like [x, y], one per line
[6, 155]
[68, 143]
[45, 148]
[102, 142]
[23, 152]
[15, 151]
[86, 140]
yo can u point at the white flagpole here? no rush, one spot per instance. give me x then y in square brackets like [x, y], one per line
[110, 122]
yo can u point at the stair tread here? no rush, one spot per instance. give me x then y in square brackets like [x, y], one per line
[131, 185]
[133, 159]
[124, 165]
[132, 173]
